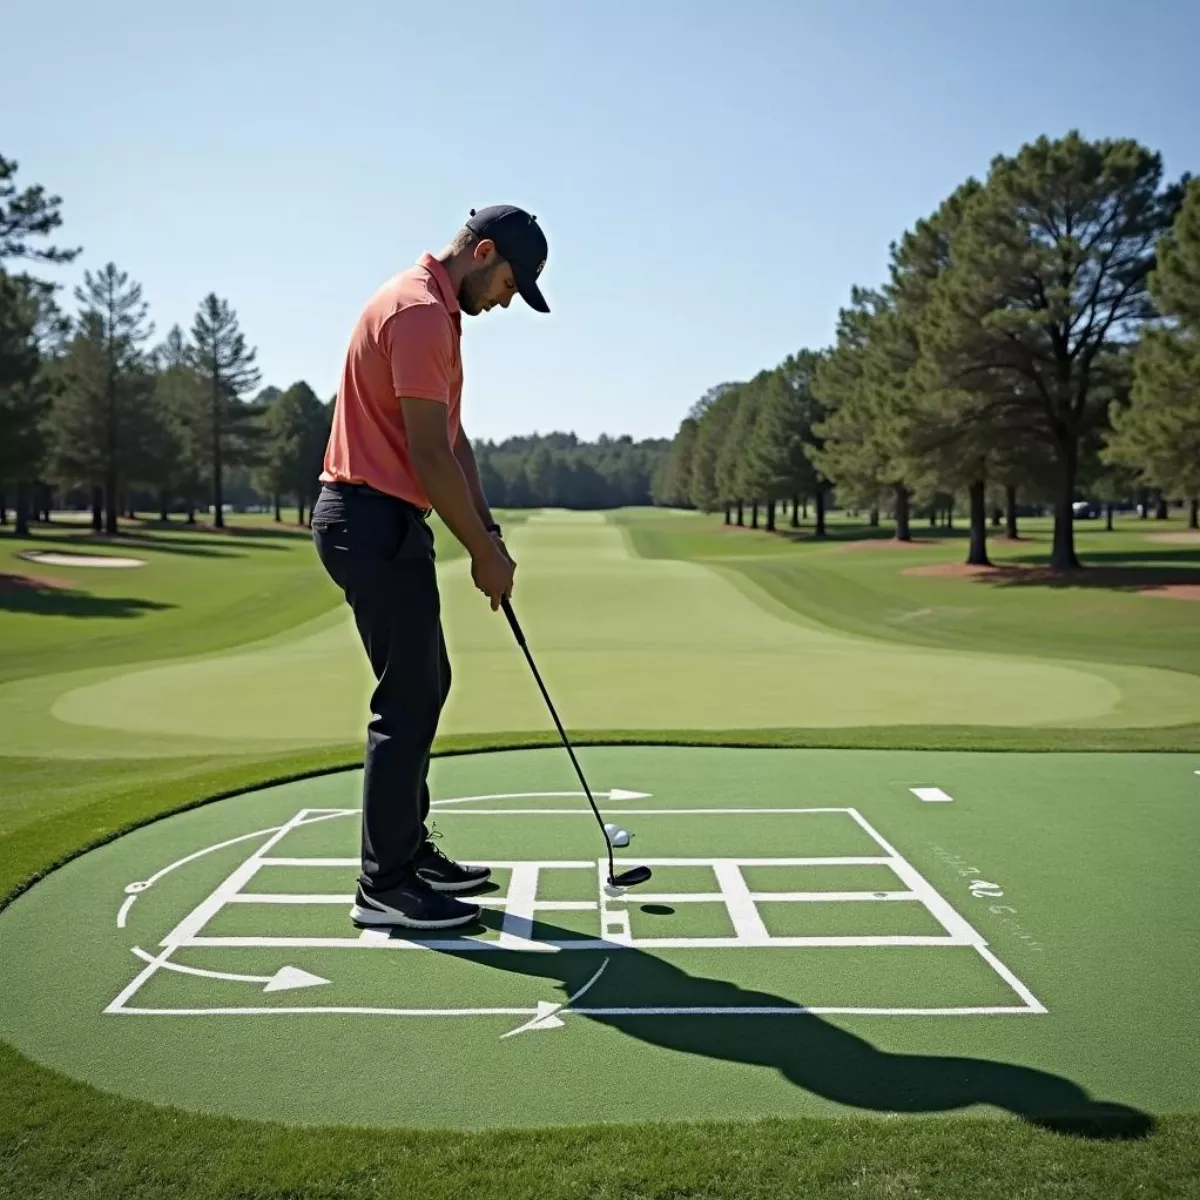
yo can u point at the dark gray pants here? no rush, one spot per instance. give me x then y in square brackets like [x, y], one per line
[380, 552]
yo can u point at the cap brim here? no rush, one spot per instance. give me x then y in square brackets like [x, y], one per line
[532, 295]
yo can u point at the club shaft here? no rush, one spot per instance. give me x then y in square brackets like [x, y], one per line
[562, 733]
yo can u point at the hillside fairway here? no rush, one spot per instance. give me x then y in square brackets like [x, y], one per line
[827, 933]
[623, 642]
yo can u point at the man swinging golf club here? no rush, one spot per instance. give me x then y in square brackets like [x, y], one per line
[396, 451]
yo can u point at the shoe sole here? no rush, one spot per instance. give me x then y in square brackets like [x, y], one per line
[440, 885]
[374, 917]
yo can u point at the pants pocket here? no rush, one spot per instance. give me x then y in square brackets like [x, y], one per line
[363, 527]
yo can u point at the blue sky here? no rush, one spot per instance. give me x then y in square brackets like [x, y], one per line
[712, 177]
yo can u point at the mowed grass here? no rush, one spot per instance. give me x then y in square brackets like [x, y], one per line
[856, 580]
[201, 590]
[219, 590]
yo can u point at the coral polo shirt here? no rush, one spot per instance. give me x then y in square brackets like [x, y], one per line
[406, 342]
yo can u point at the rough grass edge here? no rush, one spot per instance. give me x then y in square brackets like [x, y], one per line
[241, 775]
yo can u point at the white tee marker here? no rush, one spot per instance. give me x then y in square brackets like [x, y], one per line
[931, 795]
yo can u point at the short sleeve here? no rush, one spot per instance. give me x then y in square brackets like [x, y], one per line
[419, 343]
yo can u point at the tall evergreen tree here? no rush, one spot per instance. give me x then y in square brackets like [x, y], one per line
[31, 331]
[104, 378]
[226, 365]
[1048, 282]
[179, 397]
[704, 489]
[296, 431]
[31, 328]
[1158, 435]
[673, 488]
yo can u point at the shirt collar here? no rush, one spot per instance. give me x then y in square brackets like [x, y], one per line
[442, 279]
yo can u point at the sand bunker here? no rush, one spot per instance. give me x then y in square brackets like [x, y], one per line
[1174, 591]
[1186, 537]
[59, 558]
[30, 583]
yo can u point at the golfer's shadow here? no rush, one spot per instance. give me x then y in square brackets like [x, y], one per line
[810, 1052]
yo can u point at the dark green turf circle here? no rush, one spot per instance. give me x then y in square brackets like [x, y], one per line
[1080, 893]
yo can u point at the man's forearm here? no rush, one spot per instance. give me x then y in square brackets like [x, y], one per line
[450, 493]
[470, 470]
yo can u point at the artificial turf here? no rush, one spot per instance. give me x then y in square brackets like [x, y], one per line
[1083, 914]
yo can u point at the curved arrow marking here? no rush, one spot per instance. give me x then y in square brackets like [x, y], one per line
[133, 890]
[285, 979]
[547, 1016]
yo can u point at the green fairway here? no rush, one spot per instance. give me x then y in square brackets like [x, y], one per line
[816, 940]
[645, 643]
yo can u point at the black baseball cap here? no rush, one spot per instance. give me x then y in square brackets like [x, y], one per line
[520, 242]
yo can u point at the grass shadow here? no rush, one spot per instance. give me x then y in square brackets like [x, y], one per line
[1174, 557]
[1103, 578]
[842, 531]
[25, 593]
[193, 547]
[811, 1053]
[269, 531]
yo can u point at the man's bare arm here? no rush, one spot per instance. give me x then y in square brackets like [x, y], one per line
[470, 470]
[437, 465]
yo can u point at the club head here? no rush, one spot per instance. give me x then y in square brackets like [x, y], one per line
[631, 878]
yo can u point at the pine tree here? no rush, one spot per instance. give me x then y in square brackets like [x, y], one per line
[31, 330]
[104, 377]
[179, 397]
[672, 487]
[1158, 435]
[295, 434]
[704, 489]
[1047, 286]
[226, 367]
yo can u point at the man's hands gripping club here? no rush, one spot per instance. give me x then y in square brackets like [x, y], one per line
[493, 572]
[442, 476]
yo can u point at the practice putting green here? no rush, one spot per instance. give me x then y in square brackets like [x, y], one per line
[622, 642]
[817, 938]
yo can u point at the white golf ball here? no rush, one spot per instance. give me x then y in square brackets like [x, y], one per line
[620, 838]
[610, 829]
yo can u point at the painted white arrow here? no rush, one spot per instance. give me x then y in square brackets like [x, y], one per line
[286, 979]
[544, 1019]
[546, 1016]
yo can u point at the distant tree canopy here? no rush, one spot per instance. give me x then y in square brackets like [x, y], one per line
[1038, 333]
[94, 413]
[1037, 336]
[558, 470]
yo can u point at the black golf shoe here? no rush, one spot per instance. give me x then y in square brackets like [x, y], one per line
[442, 873]
[412, 904]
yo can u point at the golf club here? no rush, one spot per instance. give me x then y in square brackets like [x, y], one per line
[634, 875]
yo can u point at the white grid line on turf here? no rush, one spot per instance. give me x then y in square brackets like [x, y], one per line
[615, 933]
[243, 872]
[380, 939]
[729, 1011]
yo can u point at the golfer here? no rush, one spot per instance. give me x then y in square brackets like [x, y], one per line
[397, 451]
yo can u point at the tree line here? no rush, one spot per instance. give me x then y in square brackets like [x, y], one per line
[91, 406]
[94, 411]
[1036, 337]
[558, 470]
